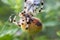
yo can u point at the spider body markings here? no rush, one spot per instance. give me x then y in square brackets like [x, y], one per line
[28, 24]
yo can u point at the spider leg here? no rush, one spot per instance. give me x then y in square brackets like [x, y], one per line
[40, 9]
[10, 20]
[13, 20]
[42, 5]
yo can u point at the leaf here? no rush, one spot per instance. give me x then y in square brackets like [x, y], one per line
[58, 33]
[50, 24]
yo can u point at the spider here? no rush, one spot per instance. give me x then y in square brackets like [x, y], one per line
[27, 23]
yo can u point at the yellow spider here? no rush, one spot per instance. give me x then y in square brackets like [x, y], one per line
[32, 26]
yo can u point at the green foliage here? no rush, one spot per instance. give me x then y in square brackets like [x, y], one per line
[58, 33]
[50, 19]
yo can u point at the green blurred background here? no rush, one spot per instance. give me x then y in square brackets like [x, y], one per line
[50, 18]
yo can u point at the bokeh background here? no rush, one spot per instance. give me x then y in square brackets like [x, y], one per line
[50, 18]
